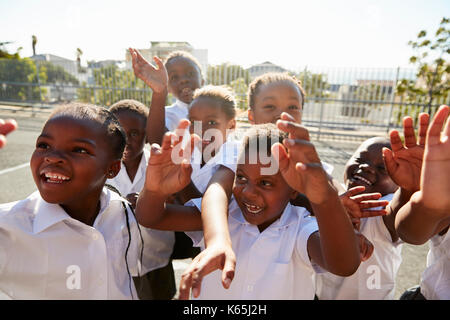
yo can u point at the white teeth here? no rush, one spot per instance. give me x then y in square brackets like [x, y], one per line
[252, 209]
[55, 176]
[362, 179]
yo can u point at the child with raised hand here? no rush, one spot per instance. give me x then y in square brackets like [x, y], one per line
[159, 283]
[375, 277]
[278, 245]
[426, 216]
[73, 238]
[6, 126]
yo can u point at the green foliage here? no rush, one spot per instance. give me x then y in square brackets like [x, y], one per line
[314, 84]
[433, 71]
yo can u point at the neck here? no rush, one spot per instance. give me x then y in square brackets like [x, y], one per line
[86, 210]
[132, 166]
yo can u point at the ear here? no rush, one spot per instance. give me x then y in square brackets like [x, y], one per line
[294, 194]
[250, 116]
[232, 124]
[113, 169]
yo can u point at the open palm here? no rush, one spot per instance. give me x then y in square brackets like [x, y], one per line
[155, 78]
[404, 162]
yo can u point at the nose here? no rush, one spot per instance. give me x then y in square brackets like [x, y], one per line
[54, 157]
[249, 191]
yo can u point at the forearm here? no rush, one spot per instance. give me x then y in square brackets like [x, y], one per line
[415, 223]
[215, 215]
[156, 117]
[401, 197]
[338, 242]
[153, 212]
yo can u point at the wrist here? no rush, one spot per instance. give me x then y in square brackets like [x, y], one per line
[160, 92]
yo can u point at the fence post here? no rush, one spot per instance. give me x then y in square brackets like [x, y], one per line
[394, 89]
[39, 88]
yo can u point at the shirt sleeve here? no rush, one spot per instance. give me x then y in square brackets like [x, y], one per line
[308, 226]
[228, 154]
[196, 236]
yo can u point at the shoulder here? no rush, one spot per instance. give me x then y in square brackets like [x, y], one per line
[19, 214]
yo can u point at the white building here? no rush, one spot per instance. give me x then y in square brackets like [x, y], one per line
[259, 69]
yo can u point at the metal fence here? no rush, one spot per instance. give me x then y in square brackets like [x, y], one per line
[341, 102]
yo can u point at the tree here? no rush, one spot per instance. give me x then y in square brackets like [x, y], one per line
[33, 43]
[5, 54]
[314, 84]
[433, 69]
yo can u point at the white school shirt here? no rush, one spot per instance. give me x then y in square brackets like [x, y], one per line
[174, 113]
[46, 254]
[435, 283]
[226, 156]
[270, 265]
[160, 247]
[375, 277]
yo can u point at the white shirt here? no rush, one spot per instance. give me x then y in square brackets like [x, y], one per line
[174, 113]
[226, 156]
[46, 254]
[273, 264]
[435, 283]
[158, 253]
[375, 277]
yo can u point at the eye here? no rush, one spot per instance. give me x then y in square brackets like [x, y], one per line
[42, 145]
[174, 78]
[212, 122]
[293, 107]
[266, 183]
[269, 107]
[240, 178]
[80, 150]
[134, 134]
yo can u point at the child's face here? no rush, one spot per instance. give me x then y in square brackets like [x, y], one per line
[134, 126]
[366, 168]
[261, 198]
[71, 161]
[184, 78]
[214, 122]
[273, 99]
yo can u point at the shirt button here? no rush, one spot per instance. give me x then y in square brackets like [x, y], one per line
[249, 288]
[95, 236]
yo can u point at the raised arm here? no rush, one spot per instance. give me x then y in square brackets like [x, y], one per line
[335, 247]
[167, 172]
[428, 211]
[156, 79]
[6, 126]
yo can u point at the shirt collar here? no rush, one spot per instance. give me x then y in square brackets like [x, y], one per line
[49, 214]
[181, 104]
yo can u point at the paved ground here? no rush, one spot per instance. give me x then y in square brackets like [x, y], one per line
[16, 182]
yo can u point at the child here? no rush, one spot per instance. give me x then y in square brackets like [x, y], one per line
[375, 278]
[269, 96]
[160, 282]
[277, 244]
[426, 216]
[5, 128]
[73, 239]
[180, 75]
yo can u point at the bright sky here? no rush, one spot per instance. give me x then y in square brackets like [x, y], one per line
[291, 33]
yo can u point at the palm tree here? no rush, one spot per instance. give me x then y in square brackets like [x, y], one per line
[34, 41]
[79, 53]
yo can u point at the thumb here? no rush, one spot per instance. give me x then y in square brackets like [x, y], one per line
[228, 271]
[280, 155]
[158, 62]
[389, 161]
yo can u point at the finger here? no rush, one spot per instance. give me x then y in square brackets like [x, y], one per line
[287, 117]
[354, 191]
[396, 141]
[423, 127]
[167, 140]
[228, 271]
[390, 164]
[295, 130]
[434, 131]
[155, 149]
[373, 213]
[281, 156]
[408, 132]
[2, 141]
[185, 285]
[367, 196]
[159, 63]
[6, 126]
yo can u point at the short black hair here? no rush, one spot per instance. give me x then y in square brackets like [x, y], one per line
[273, 77]
[130, 105]
[220, 94]
[186, 55]
[260, 136]
[105, 119]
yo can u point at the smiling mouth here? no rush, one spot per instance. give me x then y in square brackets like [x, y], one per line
[252, 208]
[55, 178]
[358, 177]
[186, 91]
